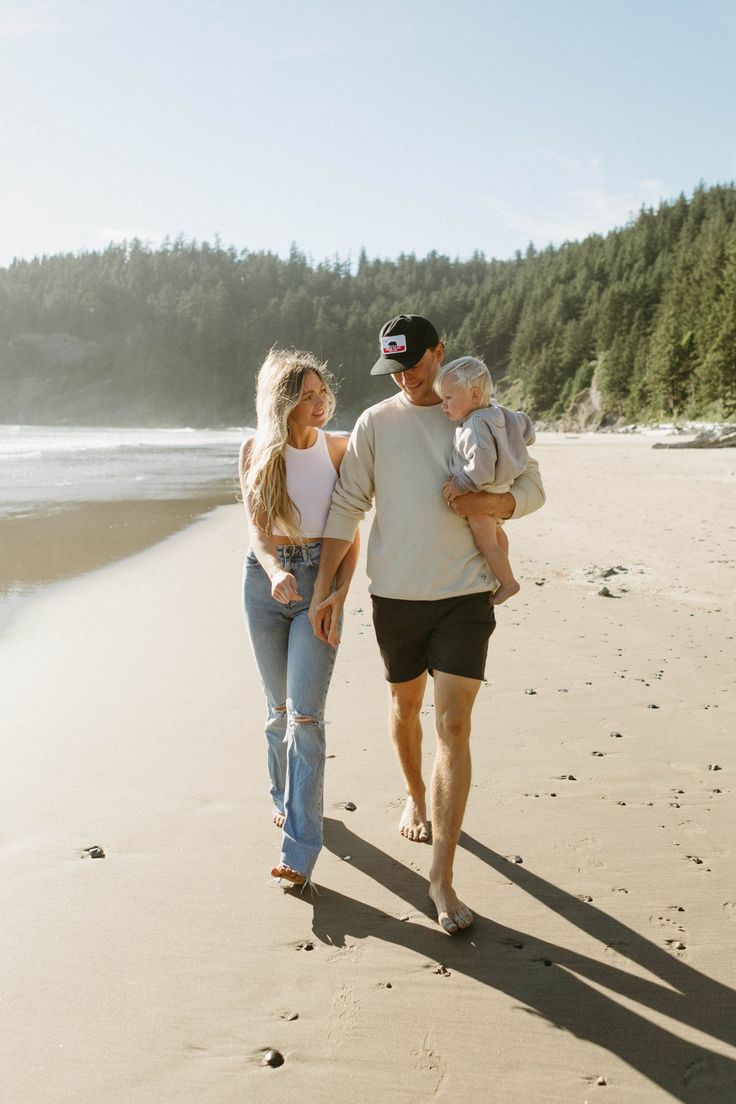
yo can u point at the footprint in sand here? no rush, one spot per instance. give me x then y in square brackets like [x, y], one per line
[431, 1062]
[621, 954]
[673, 932]
[343, 1017]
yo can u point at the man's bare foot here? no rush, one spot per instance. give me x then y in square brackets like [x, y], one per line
[286, 874]
[414, 825]
[278, 818]
[452, 914]
[505, 592]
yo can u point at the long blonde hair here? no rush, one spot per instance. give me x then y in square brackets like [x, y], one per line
[278, 390]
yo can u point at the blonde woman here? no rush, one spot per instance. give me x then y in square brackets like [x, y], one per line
[288, 472]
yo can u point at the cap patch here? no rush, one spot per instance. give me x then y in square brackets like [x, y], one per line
[393, 343]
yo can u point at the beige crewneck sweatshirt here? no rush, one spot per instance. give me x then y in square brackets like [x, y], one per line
[399, 455]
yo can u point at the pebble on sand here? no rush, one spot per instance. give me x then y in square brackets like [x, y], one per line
[350, 806]
[96, 852]
[290, 1016]
[273, 1058]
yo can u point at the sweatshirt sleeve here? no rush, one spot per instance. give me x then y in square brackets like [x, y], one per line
[477, 450]
[528, 491]
[355, 488]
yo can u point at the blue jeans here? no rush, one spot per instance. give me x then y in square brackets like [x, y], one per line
[295, 669]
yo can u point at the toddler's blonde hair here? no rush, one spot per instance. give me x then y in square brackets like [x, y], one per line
[469, 372]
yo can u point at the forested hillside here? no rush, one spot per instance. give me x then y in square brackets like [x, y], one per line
[639, 324]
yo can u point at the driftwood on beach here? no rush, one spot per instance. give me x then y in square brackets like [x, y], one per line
[718, 437]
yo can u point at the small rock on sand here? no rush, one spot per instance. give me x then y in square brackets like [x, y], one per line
[98, 852]
[350, 806]
[273, 1058]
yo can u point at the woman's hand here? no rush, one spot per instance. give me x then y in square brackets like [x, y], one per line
[283, 587]
[326, 617]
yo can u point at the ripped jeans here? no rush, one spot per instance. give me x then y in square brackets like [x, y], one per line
[295, 669]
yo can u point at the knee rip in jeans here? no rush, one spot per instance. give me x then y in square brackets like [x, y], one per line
[300, 719]
[279, 709]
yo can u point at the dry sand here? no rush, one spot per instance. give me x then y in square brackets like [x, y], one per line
[603, 758]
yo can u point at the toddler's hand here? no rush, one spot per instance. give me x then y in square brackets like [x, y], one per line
[450, 491]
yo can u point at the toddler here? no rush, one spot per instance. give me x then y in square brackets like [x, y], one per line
[489, 453]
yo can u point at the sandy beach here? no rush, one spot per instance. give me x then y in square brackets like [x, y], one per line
[598, 852]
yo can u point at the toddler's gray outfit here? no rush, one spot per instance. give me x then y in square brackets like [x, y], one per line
[489, 450]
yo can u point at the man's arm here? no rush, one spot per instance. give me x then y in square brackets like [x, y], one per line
[526, 496]
[351, 500]
[332, 557]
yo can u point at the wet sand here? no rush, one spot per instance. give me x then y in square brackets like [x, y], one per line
[603, 760]
[41, 547]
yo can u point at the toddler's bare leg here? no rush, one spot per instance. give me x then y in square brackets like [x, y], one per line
[491, 540]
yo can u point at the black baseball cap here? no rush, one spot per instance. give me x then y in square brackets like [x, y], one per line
[404, 340]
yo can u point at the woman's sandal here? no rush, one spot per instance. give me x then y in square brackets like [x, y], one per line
[286, 874]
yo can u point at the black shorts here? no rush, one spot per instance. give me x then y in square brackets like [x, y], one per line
[450, 635]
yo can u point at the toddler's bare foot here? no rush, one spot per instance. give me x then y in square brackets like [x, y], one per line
[278, 818]
[452, 914]
[505, 592]
[414, 825]
[286, 874]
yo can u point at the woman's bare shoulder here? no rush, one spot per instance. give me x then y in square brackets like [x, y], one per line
[337, 446]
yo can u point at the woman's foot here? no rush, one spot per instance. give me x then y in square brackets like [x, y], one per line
[286, 874]
[278, 818]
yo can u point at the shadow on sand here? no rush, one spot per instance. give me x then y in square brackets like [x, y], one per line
[549, 980]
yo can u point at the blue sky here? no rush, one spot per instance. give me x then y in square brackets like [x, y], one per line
[400, 126]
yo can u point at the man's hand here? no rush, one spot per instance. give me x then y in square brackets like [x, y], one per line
[320, 615]
[482, 504]
[328, 615]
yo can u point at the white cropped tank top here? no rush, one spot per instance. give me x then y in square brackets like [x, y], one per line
[310, 481]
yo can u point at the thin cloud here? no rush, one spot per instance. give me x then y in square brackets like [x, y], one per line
[32, 20]
[578, 212]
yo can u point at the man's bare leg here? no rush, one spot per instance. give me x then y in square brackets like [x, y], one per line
[406, 732]
[454, 697]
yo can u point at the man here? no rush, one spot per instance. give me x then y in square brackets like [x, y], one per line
[431, 588]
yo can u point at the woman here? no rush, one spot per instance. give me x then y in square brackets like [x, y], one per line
[288, 472]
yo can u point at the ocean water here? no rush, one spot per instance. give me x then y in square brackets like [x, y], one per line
[47, 467]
